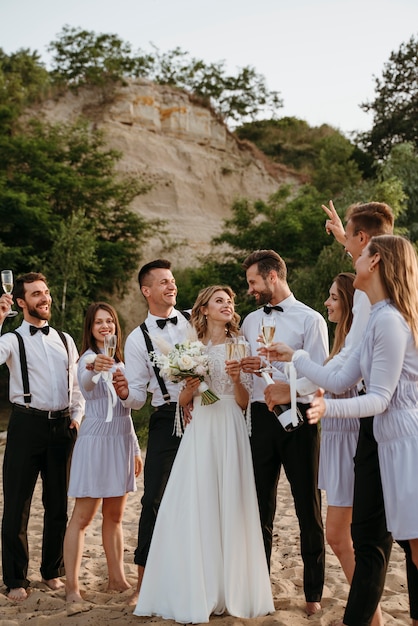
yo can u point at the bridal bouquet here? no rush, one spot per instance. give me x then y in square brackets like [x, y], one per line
[184, 359]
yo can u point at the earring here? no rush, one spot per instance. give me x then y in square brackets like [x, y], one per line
[371, 269]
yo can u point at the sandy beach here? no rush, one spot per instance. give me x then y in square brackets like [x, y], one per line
[44, 607]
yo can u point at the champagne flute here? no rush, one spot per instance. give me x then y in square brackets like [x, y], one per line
[7, 284]
[110, 342]
[230, 348]
[240, 347]
[268, 328]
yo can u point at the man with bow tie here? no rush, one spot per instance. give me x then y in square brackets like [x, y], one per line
[47, 407]
[272, 447]
[158, 286]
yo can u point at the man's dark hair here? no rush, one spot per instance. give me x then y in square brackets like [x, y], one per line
[266, 261]
[19, 283]
[152, 265]
[373, 218]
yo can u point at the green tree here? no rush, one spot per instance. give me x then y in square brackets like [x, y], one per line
[63, 207]
[82, 57]
[395, 106]
[23, 79]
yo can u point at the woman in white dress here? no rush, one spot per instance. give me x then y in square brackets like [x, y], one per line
[387, 360]
[207, 553]
[106, 457]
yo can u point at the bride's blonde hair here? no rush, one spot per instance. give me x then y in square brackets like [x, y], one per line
[198, 319]
[398, 267]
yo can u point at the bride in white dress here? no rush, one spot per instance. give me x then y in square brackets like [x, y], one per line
[207, 554]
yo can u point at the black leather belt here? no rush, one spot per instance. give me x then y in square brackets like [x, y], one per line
[51, 415]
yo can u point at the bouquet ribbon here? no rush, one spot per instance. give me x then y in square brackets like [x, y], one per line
[111, 393]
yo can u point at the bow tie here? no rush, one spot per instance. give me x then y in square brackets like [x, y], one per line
[161, 323]
[34, 329]
[268, 309]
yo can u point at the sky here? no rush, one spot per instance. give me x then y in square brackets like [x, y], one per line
[322, 56]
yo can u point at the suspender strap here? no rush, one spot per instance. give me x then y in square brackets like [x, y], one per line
[64, 341]
[27, 396]
[150, 348]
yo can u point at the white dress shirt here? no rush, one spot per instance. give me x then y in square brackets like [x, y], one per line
[138, 367]
[297, 325]
[48, 363]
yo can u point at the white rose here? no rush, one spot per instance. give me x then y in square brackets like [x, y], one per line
[185, 362]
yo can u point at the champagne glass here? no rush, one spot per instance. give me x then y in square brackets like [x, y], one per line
[7, 283]
[240, 347]
[110, 345]
[268, 328]
[230, 348]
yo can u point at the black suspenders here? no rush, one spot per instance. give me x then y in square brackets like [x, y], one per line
[27, 396]
[150, 348]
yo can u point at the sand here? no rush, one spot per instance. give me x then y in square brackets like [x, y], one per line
[44, 607]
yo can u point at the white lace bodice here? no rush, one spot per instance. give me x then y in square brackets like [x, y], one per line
[218, 380]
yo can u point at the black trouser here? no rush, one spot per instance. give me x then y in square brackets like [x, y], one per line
[371, 539]
[161, 451]
[35, 445]
[412, 578]
[298, 452]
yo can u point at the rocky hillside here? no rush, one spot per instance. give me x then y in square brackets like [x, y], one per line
[195, 166]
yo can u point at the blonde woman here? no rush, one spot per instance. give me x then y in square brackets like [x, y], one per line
[207, 554]
[387, 360]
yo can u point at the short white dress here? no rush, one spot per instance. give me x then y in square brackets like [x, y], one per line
[336, 457]
[387, 360]
[103, 461]
[207, 554]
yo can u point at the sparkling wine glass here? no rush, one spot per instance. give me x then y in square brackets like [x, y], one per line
[110, 345]
[240, 347]
[7, 283]
[230, 348]
[268, 328]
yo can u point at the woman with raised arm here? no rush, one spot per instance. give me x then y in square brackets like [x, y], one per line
[387, 360]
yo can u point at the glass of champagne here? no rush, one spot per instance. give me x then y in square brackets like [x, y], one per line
[230, 348]
[240, 347]
[109, 350]
[110, 345]
[7, 284]
[268, 328]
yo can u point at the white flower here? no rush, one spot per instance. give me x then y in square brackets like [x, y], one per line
[185, 362]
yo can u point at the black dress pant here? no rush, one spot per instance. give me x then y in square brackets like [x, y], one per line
[161, 451]
[371, 539]
[412, 578]
[298, 452]
[35, 445]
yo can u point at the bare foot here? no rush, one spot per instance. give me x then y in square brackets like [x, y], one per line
[17, 594]
[73, 596]
[53, 583]
[312, 608]
[133, 599]
[119, 586]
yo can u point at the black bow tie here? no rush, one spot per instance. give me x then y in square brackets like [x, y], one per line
[268, 309]
[161, 323]
[43, 329]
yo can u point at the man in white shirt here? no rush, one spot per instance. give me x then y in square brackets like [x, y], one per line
[158, 286]
[47, 409]
[272, 447]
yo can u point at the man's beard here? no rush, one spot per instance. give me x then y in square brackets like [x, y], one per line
[265, 296]
[44, 315]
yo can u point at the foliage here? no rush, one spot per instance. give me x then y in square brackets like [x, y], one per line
[395, 107]
[65, 212]
[402, 166]
[82, 57]
[23, 79]
[323, 155]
